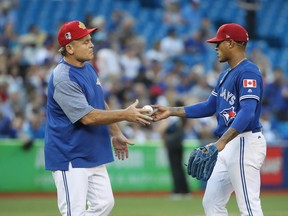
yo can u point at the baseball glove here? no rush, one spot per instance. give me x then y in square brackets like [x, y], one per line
[202, 161]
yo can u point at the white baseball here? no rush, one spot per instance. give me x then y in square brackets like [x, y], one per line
[148, 107]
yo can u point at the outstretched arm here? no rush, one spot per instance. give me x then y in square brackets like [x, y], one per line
[131, 114]
[202, 109]
[163, 112]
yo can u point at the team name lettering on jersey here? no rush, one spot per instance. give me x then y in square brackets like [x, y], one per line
[228, 96]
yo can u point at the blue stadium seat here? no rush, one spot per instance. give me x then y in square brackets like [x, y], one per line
[272, 19]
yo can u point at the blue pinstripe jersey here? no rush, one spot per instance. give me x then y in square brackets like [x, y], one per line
[242, 82]
[73, 92]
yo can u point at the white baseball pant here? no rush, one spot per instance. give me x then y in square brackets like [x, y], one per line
[237, 169]
[84, 191]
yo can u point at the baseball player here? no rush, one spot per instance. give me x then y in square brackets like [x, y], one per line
[236, 101]
[79, 125]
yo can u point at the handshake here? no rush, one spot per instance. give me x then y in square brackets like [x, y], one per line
[158, 112]
[146, 114]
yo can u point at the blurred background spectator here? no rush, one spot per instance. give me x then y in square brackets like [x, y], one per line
[171, 45]
[250, 7]
[172, 133]
[192, 14]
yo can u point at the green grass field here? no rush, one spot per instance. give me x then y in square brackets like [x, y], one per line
[273, 205]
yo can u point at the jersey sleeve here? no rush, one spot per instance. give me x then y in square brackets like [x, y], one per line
[72, 101]
[250, 85]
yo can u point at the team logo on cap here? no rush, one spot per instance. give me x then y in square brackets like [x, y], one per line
[68, 36]
[81, 25]
[228, 115]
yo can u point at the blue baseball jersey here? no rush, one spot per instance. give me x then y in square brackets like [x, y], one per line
[73, 92]
[242, 82]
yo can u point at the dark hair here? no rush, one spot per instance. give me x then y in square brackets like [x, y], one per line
[63, 51]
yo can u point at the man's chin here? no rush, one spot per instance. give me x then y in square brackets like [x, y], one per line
[90, 57]
[221, 60]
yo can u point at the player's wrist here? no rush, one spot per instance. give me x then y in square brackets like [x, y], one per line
[176, 111]
[220, 145]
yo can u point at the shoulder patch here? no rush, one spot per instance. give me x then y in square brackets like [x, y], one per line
[249, 83]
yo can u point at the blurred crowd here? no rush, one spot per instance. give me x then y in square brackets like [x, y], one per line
[129, 70]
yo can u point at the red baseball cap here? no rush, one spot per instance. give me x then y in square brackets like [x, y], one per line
[73, 30]
[230, 31]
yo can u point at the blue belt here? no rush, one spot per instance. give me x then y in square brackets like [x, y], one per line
[256, 130]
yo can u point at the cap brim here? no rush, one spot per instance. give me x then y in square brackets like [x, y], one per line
[92, 30]
[214, 40]
[88, 31]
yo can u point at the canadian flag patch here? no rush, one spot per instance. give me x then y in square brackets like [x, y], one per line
[249, 83]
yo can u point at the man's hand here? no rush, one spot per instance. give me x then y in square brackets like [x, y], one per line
[138, 115]
[119, 143]
[161, 112]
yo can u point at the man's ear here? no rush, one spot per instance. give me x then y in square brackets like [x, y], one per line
[231, 43]
[69, 49]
